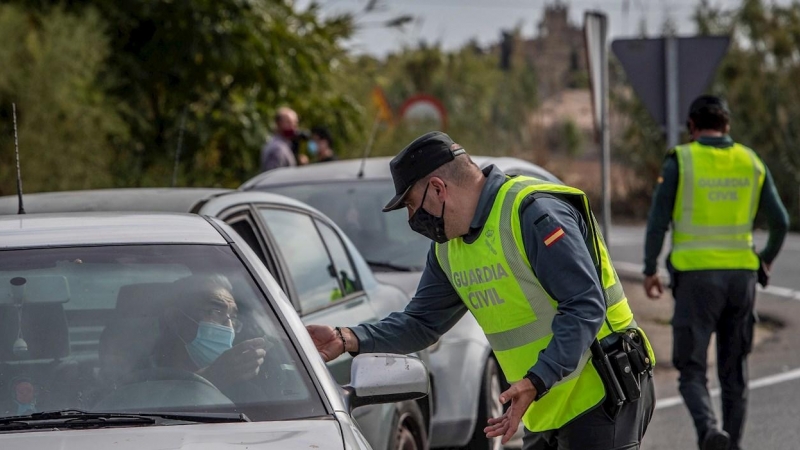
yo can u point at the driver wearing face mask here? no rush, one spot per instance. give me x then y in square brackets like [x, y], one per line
[198, 333]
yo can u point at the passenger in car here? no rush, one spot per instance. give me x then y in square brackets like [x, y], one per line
[198, 330]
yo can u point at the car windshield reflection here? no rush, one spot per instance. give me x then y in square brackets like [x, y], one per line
[177, 328]
[356, 207]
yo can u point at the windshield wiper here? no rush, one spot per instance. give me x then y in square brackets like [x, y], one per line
[75, 418]
[390, 266]
[199, 417]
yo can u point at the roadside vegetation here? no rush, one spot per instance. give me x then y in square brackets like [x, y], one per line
[112, 94]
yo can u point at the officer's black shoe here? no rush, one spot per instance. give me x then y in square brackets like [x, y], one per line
[716, 440]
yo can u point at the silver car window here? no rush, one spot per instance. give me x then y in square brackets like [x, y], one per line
[346, 274]
[179, 328]
[356, 207]
[307, 259]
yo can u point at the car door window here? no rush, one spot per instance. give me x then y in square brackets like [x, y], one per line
[307, 259]
[246, 229]
[344, 268]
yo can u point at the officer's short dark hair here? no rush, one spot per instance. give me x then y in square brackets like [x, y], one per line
[708, 112]
[323, 134]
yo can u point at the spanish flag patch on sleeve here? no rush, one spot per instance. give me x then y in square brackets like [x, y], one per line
[554, 236]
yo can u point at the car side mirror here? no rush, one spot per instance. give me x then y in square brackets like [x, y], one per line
[385, 378]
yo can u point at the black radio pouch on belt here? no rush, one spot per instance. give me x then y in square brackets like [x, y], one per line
[614, 393]
[628, 380]
[633, 345]
[629, 360]
[621, 365]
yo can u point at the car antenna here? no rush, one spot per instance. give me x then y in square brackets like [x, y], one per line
[16, 152]
[178, 150]
[369, 145]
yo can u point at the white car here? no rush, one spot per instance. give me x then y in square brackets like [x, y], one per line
[144, 331]
[320, 270]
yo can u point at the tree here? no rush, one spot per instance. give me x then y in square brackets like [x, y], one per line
[758, 77]
[226, 65]
[488, 107]
[65, 120]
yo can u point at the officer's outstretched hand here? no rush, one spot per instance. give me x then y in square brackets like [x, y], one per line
[653, 287]
[326, 340]
[521, 395]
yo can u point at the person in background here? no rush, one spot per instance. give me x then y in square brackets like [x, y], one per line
[710, 190]
[277, 152]
[321, 145]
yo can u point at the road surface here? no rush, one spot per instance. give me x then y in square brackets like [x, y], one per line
[774, 405]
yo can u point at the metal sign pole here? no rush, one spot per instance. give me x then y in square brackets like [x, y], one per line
[605, 143]
[668, 73]
[672, 91]
[596, 40]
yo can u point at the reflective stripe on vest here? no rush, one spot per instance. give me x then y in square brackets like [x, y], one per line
[494, 279]
[715, 205]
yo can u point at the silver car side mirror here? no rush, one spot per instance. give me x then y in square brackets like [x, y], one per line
[385, 378]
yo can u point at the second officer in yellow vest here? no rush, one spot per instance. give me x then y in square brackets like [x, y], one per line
[525, 257]
[709, 191]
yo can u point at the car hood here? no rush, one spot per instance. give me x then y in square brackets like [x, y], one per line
[465, 329]
[407, 281]
[298, 434]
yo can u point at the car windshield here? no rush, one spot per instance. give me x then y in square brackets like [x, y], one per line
[384, 239]
[144, 328]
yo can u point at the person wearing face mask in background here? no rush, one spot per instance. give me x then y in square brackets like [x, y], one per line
[320, 146]
[526, 258]
[198, 333]
[279, 151]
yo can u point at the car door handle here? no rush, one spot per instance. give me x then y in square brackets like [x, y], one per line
[354, 303]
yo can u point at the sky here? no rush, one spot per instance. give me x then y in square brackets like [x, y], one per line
[454, 22]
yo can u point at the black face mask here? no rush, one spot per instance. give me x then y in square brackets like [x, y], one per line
[427, 224]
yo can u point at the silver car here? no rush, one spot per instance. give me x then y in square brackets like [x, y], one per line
[352, 193]
[138, 331]
[322, 273]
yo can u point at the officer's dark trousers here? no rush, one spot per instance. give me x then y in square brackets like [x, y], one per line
[706, 302]
[598, 429]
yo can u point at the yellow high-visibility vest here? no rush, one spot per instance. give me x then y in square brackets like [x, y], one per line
[715, 205]
[494, 279]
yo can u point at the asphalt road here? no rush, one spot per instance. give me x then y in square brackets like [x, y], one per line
[774, 405]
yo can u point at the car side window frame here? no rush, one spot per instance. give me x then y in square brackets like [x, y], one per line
[359, 291]
[244, 216]
[274, 260]
[294, 295]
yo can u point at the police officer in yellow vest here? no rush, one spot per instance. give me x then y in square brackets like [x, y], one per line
[710, 190]
[526, 259]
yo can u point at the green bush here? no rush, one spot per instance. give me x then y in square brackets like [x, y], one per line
[65, 120]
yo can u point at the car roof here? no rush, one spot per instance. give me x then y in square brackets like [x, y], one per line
[68, 229]
[133, 199]
[375, 168]
[180, 200]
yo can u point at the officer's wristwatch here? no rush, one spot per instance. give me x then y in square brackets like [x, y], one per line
[537, 383]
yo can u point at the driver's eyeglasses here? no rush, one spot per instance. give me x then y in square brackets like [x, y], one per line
[221, 317]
